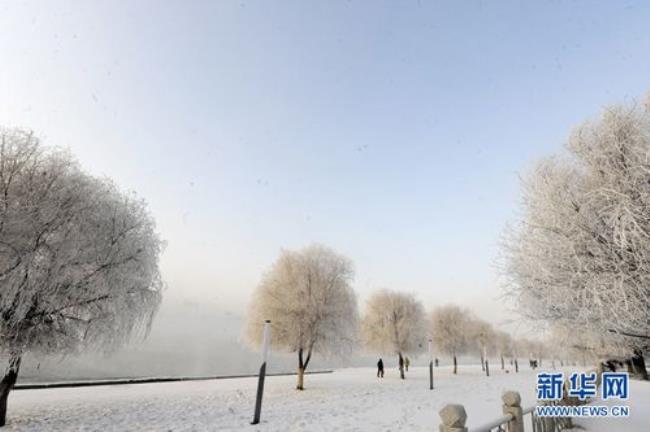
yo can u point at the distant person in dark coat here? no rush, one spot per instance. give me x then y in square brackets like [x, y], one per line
[380, 368]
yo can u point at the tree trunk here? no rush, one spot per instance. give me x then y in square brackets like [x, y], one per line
[516, 366]
[301, 379]
[482, 363]
[503, 366]
[487, 368]
[302, 366]
[7, 384]
[638, 364]
[401, 366]
[455, 365]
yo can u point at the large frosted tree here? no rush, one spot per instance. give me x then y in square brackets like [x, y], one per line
[308, 297]
[78, 258]
[450, 330]
[395, 323]
[581, 255]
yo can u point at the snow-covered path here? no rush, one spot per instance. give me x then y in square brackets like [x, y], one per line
[346, 400]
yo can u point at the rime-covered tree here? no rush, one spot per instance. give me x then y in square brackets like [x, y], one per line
[525, 348]
[581, 255]
[584, 345]
[503, 346]
[481, 337]
[394, 322]
[78, 258]
[532, 349]
[450, 327]
[312, 307]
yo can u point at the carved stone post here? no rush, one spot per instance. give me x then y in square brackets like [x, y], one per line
[453, 418]
[512, 405]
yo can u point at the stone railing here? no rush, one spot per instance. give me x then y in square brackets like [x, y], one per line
[454, 418]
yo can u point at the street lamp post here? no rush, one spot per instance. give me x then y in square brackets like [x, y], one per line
[266, 341]
[430, 364]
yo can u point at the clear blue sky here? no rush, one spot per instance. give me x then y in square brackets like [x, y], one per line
[392, 131]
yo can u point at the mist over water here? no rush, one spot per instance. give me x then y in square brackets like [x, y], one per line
[188, 338]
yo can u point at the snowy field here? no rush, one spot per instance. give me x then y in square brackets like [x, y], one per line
[346, 400]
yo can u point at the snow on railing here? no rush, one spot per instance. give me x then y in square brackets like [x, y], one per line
[454, 418]
[497, 425]
[501, 424]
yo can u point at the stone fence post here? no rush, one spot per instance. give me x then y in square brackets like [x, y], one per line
[453, 418]
[512, 405]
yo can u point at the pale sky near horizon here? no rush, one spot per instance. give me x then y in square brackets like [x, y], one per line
[393, 132]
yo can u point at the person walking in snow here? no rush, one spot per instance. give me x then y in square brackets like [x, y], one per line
[380, 368]
[407, 362]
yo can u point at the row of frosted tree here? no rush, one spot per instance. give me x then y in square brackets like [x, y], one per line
[578, 261]
[308, 297]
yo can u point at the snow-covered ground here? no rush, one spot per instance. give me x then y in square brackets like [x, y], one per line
[638, 421]
[346, 400]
